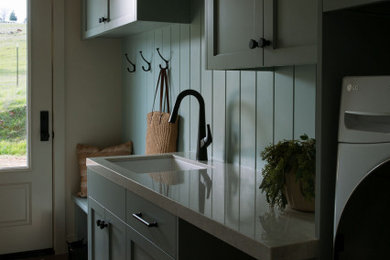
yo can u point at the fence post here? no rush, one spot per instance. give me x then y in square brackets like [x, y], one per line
[17, 64]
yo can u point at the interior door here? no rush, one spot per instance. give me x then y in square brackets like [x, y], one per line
[26, 189]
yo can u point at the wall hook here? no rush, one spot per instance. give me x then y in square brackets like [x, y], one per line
[166, 61]
[143, 67]
[132, 64]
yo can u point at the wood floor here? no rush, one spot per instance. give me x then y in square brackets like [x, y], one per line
[49, 257]
[45, 257]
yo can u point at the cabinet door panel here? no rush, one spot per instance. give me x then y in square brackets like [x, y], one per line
[164, 234]
[230, 25]
[117, 237]
[122, 11]
[291, 26]
[97, 237]
[93, 10]
[140, 248]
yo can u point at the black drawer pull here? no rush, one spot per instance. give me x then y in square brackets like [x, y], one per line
[138, 216]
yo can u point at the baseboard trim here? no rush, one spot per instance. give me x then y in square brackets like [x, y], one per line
[34, 253]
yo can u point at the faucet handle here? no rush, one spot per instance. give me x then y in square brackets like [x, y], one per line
[206, 141]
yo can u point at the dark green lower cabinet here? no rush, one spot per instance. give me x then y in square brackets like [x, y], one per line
[115, 234]
[98, 247]
[106, 234]
[112, 239]
[140, 248]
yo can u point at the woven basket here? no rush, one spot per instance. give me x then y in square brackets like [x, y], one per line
[161, 136]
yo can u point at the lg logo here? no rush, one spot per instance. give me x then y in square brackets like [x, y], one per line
[351, 87]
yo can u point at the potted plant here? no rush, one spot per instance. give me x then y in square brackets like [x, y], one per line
[289, 174]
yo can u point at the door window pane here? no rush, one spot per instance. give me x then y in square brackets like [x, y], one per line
[13, 83]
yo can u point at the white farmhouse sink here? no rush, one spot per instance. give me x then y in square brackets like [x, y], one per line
[159, 163]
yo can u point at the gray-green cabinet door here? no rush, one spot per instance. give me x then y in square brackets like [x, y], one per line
[122, 12]
[291, 26]
[230, 25]
[98, 247]
[93, 11]
[140, 248]
[117, 237]
[330, 5]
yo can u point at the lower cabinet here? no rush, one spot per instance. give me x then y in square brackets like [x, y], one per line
[98, 247]
[122, 225]
[140, 248]
[110, 238]
[106, 234]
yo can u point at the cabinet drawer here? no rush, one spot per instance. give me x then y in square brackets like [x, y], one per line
[164, 235]
[107, 193]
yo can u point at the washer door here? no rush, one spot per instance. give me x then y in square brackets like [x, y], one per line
[362, 206]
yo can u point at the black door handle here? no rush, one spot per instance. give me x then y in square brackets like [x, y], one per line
[45, 126]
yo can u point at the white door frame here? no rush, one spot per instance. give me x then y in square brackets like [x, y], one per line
[59, 167]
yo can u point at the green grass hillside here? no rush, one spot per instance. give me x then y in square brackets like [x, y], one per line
[13, 88]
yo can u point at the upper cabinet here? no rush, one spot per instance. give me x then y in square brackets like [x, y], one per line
[116, 18]
[260, 33]
[330, 5]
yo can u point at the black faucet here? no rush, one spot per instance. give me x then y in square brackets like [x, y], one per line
[203, 140]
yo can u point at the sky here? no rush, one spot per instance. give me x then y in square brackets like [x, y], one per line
[19, 6]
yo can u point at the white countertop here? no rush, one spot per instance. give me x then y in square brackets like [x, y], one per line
[225, 201]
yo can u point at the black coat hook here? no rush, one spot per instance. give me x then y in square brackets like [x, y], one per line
[149, 65]
[166, 61]
[132, 64]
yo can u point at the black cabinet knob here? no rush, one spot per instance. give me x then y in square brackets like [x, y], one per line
[103, 19]
[259, 44]
[101, 224]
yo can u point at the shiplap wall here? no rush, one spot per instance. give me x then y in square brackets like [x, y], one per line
[247, 110]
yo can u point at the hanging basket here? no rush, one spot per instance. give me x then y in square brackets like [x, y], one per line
[294, 196]
[161, 136]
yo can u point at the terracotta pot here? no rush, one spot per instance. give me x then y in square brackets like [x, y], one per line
[294, 196]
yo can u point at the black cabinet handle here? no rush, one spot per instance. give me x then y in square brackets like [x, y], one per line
[138, 216]
[101, 223]
[103, 19]
[259, 44]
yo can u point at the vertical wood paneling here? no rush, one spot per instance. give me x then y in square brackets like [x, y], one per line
[184, 112]
[174, 71]
[195, 82]
[247, 150]
[218, 148]
[218, 125]
[149, 80]
[206, 89]
[232, 144]
[265, 113]
[232, 110]
[305, 92]
[137, 108]
[195, 67]
[284, 103]
[207, 81]
[248, 119]
[158, 43]
[264, 134]
[127, 118]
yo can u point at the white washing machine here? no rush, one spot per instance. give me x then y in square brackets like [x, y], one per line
[362, 199]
